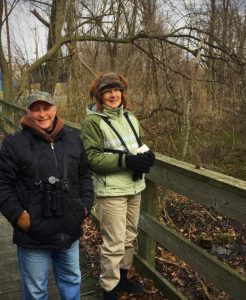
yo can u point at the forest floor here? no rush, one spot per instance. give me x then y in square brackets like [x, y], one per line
[217, 234]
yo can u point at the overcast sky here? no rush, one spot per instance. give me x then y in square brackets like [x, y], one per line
[22, 33]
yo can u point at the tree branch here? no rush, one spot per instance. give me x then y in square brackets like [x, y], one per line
[37, 15]
[127, 40]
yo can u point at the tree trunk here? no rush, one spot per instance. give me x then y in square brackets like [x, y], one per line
[7, 78]
[210, 61]
[189, 99]
[53, 66]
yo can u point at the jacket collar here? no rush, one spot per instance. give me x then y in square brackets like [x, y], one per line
[27, 122]
[113, 113]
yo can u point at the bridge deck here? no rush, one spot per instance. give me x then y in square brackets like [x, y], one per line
[10, 278]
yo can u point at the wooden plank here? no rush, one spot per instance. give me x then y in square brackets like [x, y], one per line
[7, 260]
[225, 194]
[146, 243]
[7, 251]
[10, 286]
[14, 295]
[206, 264]
[11, 277]
[161, 283]
[9, 126]
[12, 106]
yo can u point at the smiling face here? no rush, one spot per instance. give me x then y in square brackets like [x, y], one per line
[112, 98]
[43, 114]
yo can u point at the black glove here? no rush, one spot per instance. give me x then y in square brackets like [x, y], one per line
[151, 156]
[140, 163]
[147, 158]
[137, 175]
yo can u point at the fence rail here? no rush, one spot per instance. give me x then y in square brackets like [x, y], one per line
[225, 194]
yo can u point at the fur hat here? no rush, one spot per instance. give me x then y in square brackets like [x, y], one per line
[109, 81]
[40, 96]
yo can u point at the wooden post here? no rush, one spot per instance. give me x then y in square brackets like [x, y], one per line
[146, 244]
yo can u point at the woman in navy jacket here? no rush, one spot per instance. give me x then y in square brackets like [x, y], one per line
[46, 192]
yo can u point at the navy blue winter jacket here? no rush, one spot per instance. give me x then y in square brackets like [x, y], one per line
[27, 162]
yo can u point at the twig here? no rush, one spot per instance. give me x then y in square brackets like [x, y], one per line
[211, 215]
[86, 275]
[204, 287]
[172, 263]
[88, 293]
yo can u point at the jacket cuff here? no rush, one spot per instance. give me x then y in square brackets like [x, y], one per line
[122, 160]
[14, 218]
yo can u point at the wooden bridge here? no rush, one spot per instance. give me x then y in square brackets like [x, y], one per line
[10, 278]
[225, 194]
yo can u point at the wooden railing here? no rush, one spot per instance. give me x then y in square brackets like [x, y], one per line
[225, 194]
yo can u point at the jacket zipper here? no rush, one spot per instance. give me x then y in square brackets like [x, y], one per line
[63, 240]
[54, 154]
[55, 158]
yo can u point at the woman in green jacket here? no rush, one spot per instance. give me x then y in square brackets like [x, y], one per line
[113, 140]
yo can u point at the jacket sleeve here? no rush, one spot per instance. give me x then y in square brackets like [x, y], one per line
[10, 167]
[86, 183]
[100, 161]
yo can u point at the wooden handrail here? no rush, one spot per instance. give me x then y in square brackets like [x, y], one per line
[225, 194]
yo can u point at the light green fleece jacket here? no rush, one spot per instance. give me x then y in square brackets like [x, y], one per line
[109, 178]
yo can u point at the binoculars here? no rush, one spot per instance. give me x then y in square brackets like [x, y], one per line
[52, 203]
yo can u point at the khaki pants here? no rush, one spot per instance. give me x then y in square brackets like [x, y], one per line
[119, 218]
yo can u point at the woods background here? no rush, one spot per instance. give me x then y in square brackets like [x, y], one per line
[184, 60]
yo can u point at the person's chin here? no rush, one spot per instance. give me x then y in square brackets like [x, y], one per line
[44, 127]
[115, 105]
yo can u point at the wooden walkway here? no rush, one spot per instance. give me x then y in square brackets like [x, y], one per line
[10, 278]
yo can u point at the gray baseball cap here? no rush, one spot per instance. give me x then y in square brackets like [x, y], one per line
[39, 96]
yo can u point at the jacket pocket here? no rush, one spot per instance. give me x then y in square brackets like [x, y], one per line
[119, 180]
[41, 228]
[74, 215]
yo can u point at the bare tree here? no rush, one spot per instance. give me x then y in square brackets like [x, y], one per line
[5, 65]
